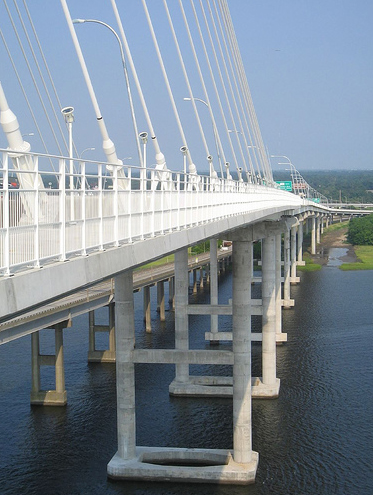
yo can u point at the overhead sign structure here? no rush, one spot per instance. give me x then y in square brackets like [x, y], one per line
[285, 185]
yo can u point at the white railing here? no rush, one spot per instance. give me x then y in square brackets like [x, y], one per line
[53, 223]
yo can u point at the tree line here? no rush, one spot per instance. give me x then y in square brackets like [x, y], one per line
[360, 231]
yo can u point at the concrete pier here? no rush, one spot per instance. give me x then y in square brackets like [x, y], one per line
[269, 385]
[102, 355]
[125, 371]
[181, 315]
[147, 307]
[161, 301]
[183, 464]
[57, 397]
[287, 303]
[313, 235]
[214, 288]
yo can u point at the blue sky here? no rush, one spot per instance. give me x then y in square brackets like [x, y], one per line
[309, 66]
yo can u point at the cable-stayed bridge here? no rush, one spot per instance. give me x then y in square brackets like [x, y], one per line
[68, 223]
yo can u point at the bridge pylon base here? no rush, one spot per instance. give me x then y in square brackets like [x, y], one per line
[216, 337]
[48, 398]
[184, 465]
[221, 386]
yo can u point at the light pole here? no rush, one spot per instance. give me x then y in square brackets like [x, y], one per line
[86, 149]
[213, 128]
[68, 115]
[299, 185]
[143, 136]
[96, 21]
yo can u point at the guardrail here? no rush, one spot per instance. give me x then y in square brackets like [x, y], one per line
[40, 224]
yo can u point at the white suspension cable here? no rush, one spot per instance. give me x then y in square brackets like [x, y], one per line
[232, 96]
[108, 145]
[266, 165]
[224, 89]
[220, 146]
[248, 104]
[59, 105]
[192, 167]
[24, 92]
[31, 72]
[209, 106]
[238, 93]
[41, 77]
[159, 157]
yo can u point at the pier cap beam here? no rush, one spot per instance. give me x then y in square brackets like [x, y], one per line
[263, 229]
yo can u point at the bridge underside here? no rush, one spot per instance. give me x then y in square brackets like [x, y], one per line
[56, 281]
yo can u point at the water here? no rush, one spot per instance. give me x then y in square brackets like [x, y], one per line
[316, 438]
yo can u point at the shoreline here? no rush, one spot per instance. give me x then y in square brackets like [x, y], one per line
[334, 239]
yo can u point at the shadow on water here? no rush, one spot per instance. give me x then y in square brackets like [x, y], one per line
[314, 439]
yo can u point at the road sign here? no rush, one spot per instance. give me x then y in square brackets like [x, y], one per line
[285, 185]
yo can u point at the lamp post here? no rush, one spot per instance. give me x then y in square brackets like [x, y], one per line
[213, 128]
[96, 21]
[300, 186]
[86, 149]
[143, 136]
[68, 115]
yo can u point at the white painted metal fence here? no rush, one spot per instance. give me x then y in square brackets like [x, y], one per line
[39, 225]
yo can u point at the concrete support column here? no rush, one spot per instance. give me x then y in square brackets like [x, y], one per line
[287, 269]
[278, 284]
[59, 366]
[125, 340]
[160, 300]
[293, 254]
[322, 225]
[214, 282]
[58, 396]
[194, 271]
[327, 222]
[181, 316]
[313, 236]
[103, 355]
[300, 242]
[201, 278]
[35, 365]
[171, 292]
[207, 269]
[147, 314]
[269, 311]
[241, 310]
[318, 230]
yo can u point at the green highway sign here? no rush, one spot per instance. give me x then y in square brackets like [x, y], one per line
[285, 185]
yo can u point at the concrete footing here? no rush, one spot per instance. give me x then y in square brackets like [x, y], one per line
[221, 386]
[48, 398]
[184, 465]
[216, 337]
[260, 390]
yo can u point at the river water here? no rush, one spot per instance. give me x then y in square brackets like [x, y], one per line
[316, 438]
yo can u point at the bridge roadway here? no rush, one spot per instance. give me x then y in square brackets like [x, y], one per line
[92, 298]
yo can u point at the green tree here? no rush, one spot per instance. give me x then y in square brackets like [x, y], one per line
[360, 231]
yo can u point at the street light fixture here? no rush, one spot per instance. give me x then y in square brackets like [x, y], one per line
[87, 149]
[96, 21]
[213, 128]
